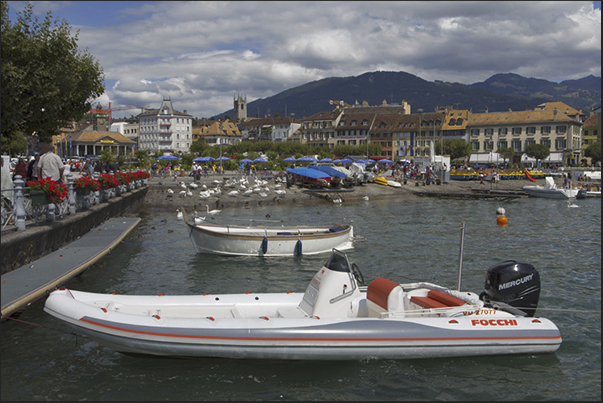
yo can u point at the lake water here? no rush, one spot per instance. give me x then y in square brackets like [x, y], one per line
[406, 240]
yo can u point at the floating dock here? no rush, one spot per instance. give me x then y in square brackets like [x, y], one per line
[26, 284]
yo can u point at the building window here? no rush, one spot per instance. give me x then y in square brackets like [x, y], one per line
[474, 132]
[545, 130]
[502, 131]
[516, 130]
[502, 144]
[531, 130]
[546, 142]
[516, 145]
[560, 129]
[488, 145]
[489, 132]
[475, 146]
[560, 143]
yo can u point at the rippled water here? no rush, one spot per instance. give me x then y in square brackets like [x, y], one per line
[411, 239]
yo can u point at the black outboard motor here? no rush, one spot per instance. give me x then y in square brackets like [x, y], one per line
[513, 287]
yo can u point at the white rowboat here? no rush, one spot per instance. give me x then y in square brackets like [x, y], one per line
[269, 241]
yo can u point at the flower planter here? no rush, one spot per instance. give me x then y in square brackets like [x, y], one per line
[82, 191]
[38, 198]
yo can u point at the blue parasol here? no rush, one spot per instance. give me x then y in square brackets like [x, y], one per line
[167, 157]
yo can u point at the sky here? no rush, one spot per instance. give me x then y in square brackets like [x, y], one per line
[203, 54]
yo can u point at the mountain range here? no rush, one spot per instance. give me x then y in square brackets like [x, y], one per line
[498, 93]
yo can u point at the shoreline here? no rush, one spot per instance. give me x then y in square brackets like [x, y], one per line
[160, 199]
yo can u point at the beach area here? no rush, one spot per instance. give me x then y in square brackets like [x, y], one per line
[168, 194]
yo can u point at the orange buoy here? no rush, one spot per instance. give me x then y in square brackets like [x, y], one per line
[501, 221]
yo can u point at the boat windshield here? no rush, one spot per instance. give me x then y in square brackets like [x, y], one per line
[338, 262]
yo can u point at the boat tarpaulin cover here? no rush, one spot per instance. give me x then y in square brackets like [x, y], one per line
[308, 172]
[329, 170]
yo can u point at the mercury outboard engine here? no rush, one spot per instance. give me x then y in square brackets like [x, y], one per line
[513, 287]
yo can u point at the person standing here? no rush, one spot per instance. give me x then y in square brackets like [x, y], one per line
[7, 182]
[51, 166]
[32, 168]
[20, 169]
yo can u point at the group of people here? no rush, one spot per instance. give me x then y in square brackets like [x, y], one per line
[48, 165]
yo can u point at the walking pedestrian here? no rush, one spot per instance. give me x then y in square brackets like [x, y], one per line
[51, 166]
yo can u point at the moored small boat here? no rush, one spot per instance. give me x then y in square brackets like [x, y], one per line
[334, 319]
[269, 241]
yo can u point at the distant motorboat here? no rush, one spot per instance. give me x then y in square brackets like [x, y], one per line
[550, 190]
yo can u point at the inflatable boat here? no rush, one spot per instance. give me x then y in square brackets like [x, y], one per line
[336, 318]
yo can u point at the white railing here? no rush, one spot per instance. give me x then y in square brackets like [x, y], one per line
[18, 211]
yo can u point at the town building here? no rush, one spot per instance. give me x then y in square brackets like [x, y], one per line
[591, 133]
[217, 133]
[319, 128]
[555, 125]
[275, 129]
[240, 109]
[165, 129]
[87, 143]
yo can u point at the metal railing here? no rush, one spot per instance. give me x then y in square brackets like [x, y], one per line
[18, 211]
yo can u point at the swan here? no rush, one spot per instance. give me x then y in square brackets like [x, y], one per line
[233, 193]
[212, 211]
[189, 193]
[170, 191]
[193, 185]
[199, 220]
[179, 215]
[500, 211]
[569, 204]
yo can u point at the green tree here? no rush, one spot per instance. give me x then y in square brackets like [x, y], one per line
[593, 152]
[15, 145]
[46, 79]
[457, 149]
[538, 151]
[198, 147]
[507, 153]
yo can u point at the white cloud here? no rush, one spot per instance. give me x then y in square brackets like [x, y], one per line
[203, 53]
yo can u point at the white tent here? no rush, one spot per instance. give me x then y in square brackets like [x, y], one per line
[486, 157]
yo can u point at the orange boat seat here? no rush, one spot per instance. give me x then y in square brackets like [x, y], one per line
[436, 299]
[385, 294]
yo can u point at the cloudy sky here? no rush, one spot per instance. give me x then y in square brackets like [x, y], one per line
[202, 54]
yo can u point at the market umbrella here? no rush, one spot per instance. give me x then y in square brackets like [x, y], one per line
[260, 160]
[246, 160]
[204, 159]
[290, 159]
[167, 157]
[326, 160]
[386, 161]
[223, 159]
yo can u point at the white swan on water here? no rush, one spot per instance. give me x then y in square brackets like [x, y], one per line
[179, 214]
[212, 211]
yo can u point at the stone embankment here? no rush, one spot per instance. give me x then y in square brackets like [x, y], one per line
[22, 247]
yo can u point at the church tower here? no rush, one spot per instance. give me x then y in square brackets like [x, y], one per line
[240, 109]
